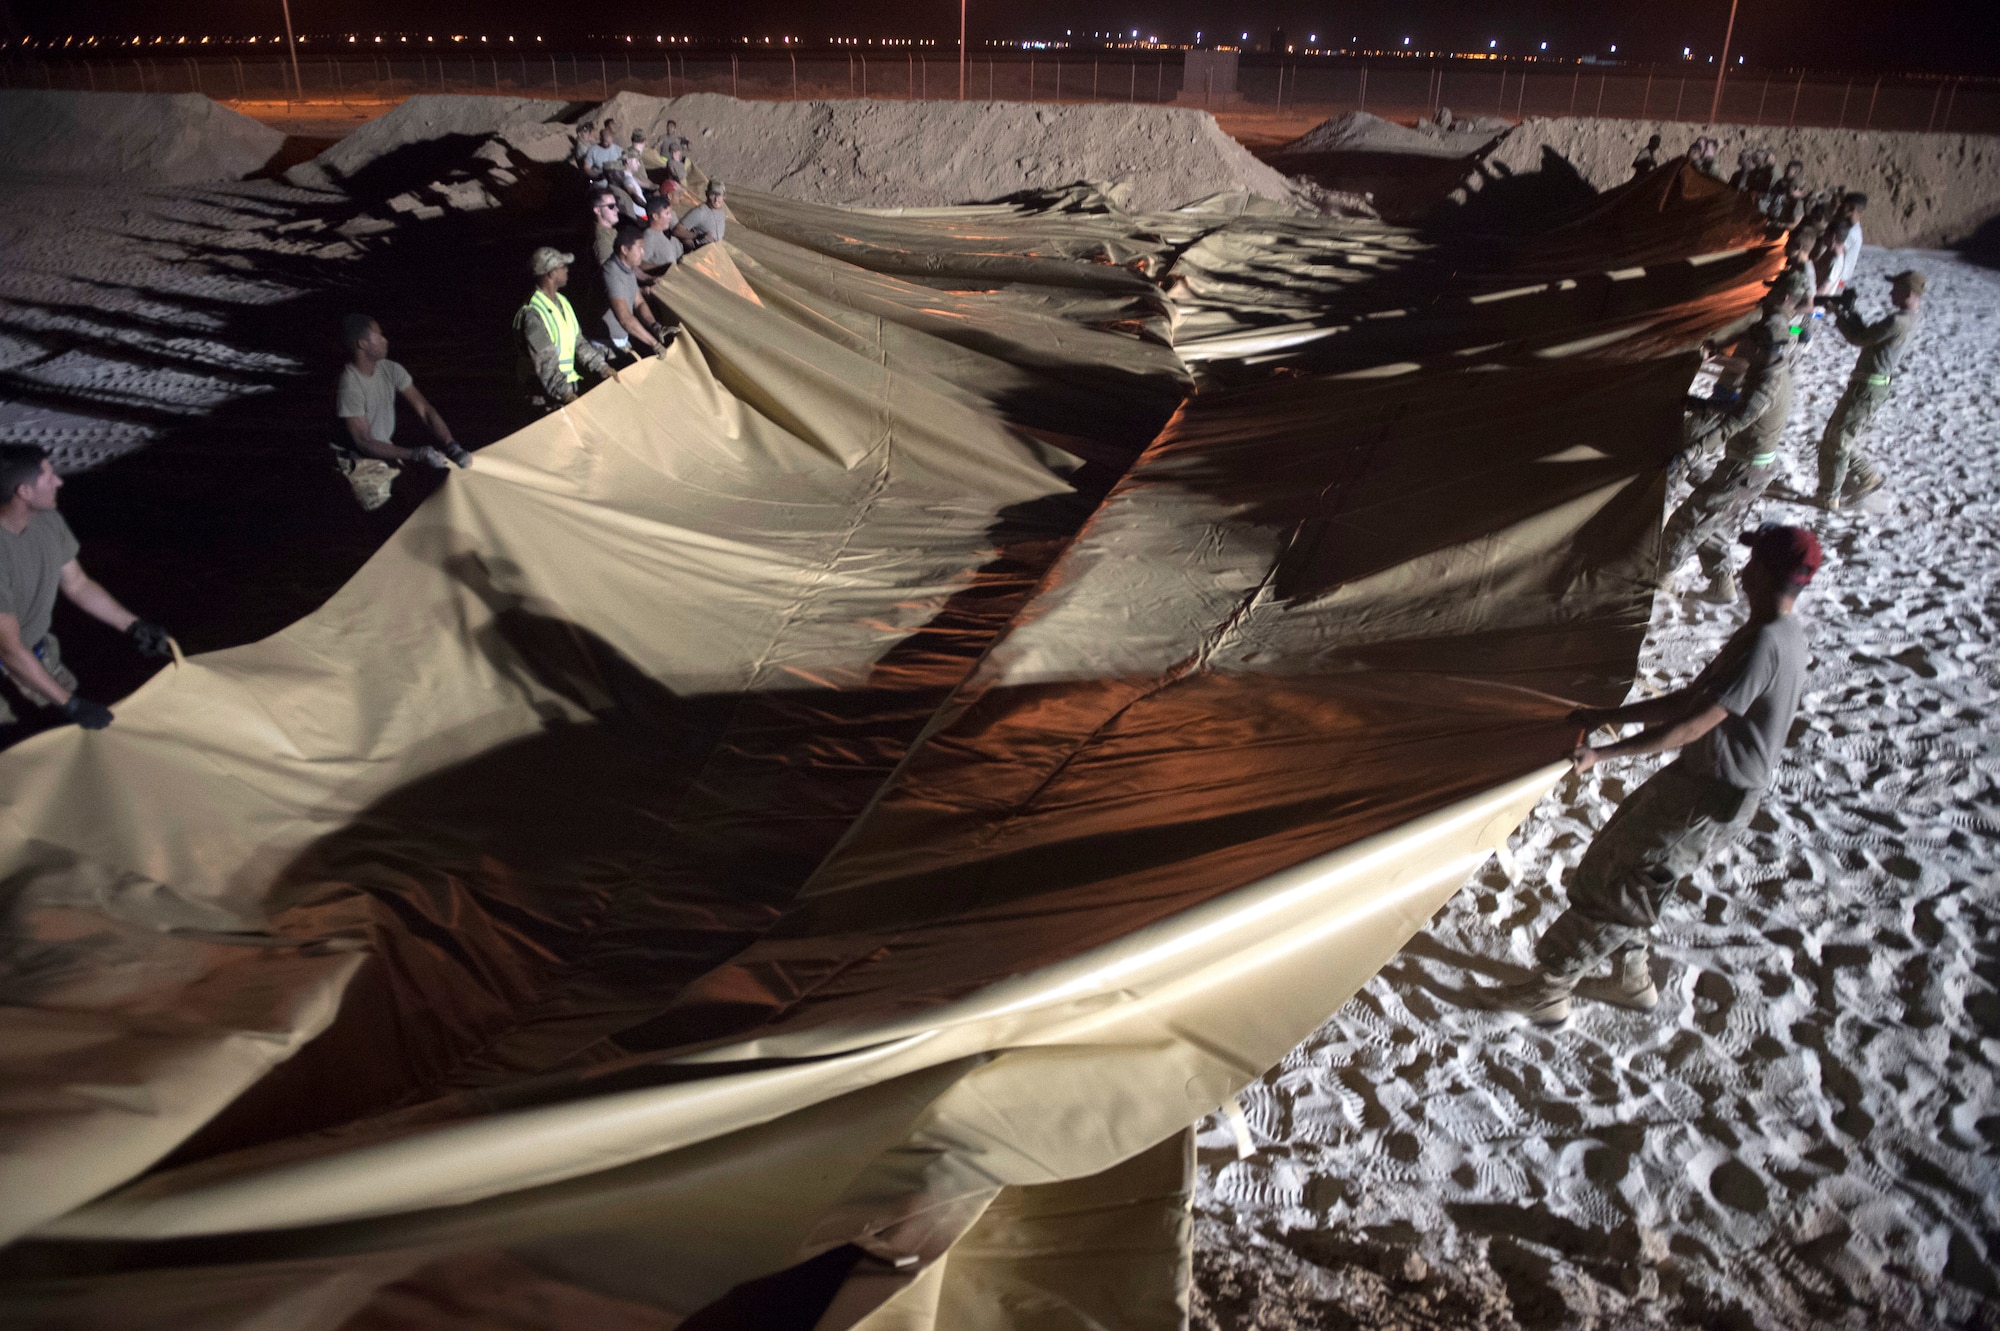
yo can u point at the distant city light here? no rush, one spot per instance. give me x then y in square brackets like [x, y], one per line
[1493, 45]
[1614, 48]
[1545, 46]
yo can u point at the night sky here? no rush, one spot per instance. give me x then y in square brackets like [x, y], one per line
[1962, 36]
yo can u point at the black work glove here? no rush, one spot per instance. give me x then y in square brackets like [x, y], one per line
[90, 715]
[150, 639]
[457, 454]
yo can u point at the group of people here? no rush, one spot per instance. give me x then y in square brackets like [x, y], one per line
[1731, 722]
[643, 222]
[636, 195]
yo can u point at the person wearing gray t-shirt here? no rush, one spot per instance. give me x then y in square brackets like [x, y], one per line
[1730, 725]
[706, 224]
[365, 451]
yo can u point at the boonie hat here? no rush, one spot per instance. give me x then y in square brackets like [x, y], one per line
[1791, 553]
[1915, 280]
[547, 259]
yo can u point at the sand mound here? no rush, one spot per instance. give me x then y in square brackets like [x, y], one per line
[435, 124]
[144, 138]
[1359, 132]
[915, 154]
[1924, 189]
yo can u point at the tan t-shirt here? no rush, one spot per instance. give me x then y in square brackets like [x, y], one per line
[372, 397]
[31, 567]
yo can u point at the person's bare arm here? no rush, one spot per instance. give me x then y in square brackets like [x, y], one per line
[1665, 709]
[1660, 738]
[91, 598]
[24, 665]
[629, 321]
[364, 442]
[428, 415]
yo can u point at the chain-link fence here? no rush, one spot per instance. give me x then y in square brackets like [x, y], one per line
[1394, 88]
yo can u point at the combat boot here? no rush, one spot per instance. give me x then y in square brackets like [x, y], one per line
[1541, 1000]
[1632, 981]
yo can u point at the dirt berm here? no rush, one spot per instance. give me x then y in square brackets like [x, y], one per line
[917, 154]
[143, 138]
[1924, 190]
[441, 127]
[1359, 132]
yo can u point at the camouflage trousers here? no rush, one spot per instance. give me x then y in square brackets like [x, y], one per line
[1709, 520]
[1841, 458]
[371, 478]
[1661, 834]
[49, 652]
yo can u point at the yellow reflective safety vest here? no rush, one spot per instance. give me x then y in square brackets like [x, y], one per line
[559, 321]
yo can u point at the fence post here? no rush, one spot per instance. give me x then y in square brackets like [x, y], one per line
[1093, 80]
[1364, 89]
[732, 76]
[1869, 123]
[604, 77]
[1793, 118]
[1281, 89]
[1841, 122]
[795, 76]
[555, 79]
[1501, 108]
[1646, 99]
[1945, 124]
[240, 90]
[1600, 94]
[339, 83]
[140, 70]
[1936, 97]
[1521, 97]
[1680, 93]
[1132, 87]
[1574, 83]
[1031, 78]
[1760, 99]
[1059, 78]
[1160, 81]
[864, 74]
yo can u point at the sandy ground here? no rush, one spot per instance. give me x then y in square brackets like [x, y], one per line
[1806, 1132]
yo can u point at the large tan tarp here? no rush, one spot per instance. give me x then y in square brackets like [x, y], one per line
[819, 803]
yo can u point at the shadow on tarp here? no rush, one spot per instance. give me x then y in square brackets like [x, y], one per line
[583, 874]
[542, 916]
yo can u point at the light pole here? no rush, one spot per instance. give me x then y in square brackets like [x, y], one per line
[1715, 107]
[961, 50]
[294, 48]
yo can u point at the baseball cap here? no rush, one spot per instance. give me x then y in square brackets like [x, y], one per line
[547, 259]
[1915, 280]
[1792, 553]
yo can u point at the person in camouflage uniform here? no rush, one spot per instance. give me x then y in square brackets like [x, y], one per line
[1795, 286]
[1707, 521]
[551, 346]
[1845, 474]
